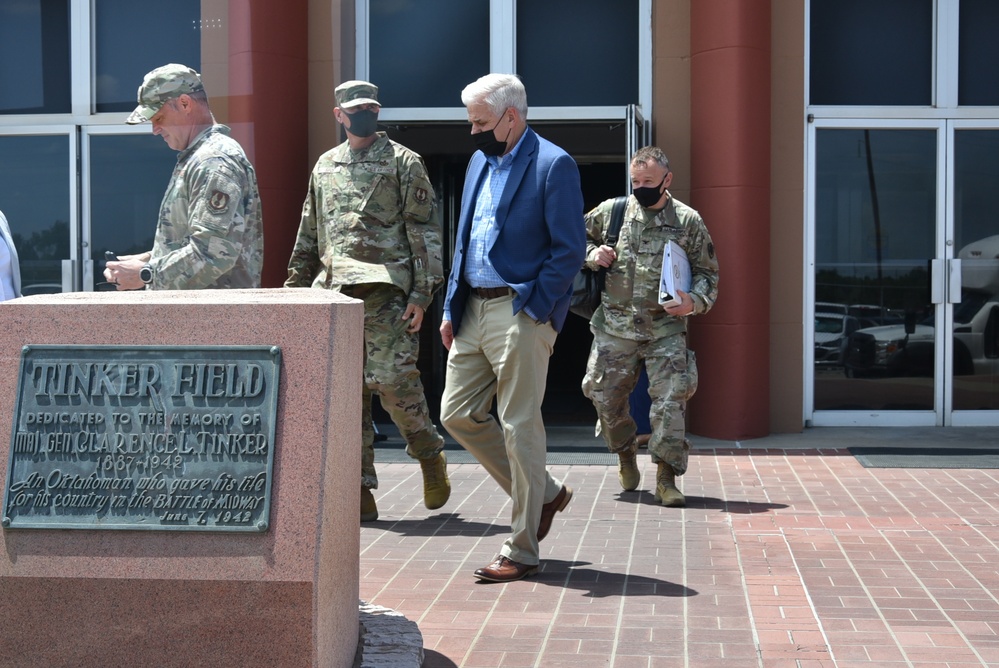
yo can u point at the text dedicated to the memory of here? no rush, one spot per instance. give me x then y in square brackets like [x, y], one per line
[143, 437]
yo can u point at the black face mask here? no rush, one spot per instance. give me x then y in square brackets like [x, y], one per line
[363, 123]
[487, 143]
[648, 196]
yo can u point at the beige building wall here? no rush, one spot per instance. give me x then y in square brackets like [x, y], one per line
[787, 206]
[328, 19]
[671, 88]
[215, 56]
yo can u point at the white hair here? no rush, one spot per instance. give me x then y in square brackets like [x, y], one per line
[498, 92]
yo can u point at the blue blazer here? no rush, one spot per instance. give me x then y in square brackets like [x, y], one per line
[541, 243]
[15, 267]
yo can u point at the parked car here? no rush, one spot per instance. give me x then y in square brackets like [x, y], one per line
[41, 289]
[831, 307]
[831, 333]
[907, 349]
[890, 350]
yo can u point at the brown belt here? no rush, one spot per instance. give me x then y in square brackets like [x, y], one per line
[492, 293]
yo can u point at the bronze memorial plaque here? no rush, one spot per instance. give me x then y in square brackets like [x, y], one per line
[143, 437]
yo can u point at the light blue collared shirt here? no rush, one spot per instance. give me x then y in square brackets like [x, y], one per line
[479, 271]
[6, 272]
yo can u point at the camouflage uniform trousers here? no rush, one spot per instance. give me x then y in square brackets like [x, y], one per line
[611, 374]
[390, 371]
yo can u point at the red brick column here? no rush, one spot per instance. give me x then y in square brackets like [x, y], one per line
[268, 113]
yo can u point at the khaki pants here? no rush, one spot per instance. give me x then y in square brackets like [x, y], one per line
[498, 354]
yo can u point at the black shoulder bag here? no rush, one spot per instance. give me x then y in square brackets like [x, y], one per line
[588, 285]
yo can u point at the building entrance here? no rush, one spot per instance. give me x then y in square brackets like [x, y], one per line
[602, 164]
[906, 264]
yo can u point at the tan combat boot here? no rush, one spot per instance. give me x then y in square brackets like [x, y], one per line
[666, 491]
[436, 486]
[369, 511]
[627, 472]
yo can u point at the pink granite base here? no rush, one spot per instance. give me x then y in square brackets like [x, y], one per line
[183, 623]
[285, 597]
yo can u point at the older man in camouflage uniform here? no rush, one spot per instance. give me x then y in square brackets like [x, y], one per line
[631, 325]
[371, 230]
[210, 233]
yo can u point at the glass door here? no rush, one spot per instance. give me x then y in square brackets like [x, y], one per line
[38, 195]
[876, 242]
[905, 247]
[63, 219]
[974, 275]
[124, 180]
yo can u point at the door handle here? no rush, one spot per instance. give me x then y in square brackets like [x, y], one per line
[68, 273]
[936, 282]
[88, 274]
[954, 281]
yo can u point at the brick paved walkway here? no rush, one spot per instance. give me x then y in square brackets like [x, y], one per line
[784, 557]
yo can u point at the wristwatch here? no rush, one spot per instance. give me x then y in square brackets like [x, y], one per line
[146, 274]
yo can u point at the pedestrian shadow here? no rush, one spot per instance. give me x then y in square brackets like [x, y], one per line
[731, 506]
[647, 498]
[599, 583]
[443, 524]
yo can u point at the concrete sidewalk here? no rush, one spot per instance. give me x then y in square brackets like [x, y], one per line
[789, 553]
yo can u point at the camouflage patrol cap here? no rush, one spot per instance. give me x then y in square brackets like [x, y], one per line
[351, 94]
[163, 84]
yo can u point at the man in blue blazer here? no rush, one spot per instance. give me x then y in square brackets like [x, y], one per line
[10, 270]
[521, 240]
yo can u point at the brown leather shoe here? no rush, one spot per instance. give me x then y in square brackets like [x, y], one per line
[548, 510]
[505, 570]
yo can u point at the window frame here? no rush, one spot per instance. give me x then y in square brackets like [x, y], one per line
[502, 58]
[944, 93]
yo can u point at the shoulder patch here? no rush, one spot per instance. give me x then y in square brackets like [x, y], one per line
[218, 201]
[421, 195]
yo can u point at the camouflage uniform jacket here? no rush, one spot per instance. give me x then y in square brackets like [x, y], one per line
[630, 306]
[210, 232]
[370, 217]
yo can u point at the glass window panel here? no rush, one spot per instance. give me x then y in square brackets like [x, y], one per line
[875, 226]
[34, 195]
[871, 52]
[976, 173]
[976, 317]
[132, 38]
[128, 176]
[34, 57]
[978, 53]
[578, 52]
[423, 54]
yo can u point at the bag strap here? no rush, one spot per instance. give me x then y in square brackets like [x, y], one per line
[616, 220]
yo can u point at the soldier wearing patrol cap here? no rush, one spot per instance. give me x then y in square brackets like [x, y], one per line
[371, 230]
[210, 232]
